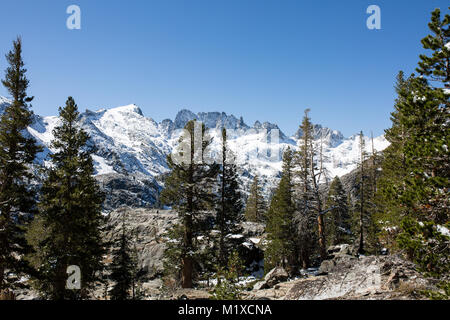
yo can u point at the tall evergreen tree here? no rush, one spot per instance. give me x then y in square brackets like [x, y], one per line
[70, 212]
[17, 153]
[391, 184]
[364, 226]
[229, 206]
[338, 219]
[361, 202]
[307, 201]
[415, 181]
[255, 207]
[280, 227]
[427, 157]
[427, 110]
[437, 67]
[189, 190]
[123, 266]
[310, 214]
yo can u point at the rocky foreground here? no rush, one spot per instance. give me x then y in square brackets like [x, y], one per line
[346, 278]
[345, 275]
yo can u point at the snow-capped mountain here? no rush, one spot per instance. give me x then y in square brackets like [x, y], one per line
[3, 104]
[133, 147]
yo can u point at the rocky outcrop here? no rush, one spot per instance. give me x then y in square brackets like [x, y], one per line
[148, 227]
[122, 190]
[273, 277]
[343, 276]
[382, 277]
[341, 255]
[346, 276]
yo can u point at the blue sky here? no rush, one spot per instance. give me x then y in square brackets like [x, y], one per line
[261, 59]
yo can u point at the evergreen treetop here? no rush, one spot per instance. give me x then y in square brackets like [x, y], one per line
[437, 66]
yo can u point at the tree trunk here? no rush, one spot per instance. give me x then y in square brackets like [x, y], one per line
[186, 277]
[2, 275]
[361, 215]
[60, 282]
[322, 240]
[305, 260]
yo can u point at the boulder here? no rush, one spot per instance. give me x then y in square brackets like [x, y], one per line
[260, 285]
[371, 277]
[341, 249]
[326, 267]
[276, 275]
[339, 256]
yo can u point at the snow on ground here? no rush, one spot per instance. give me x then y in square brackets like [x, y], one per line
[101, 167]
[42, 129]
[344, 158]
[443, 230]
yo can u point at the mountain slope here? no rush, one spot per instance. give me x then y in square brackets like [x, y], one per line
[130, 160]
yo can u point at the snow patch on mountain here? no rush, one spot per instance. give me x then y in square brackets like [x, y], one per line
[131, 144]
[344, 157]
[4, 102]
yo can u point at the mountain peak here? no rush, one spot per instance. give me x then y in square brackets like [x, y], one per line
[184, 116]
[4, 101]
[130, 108]
[331, 138]
[211, 120]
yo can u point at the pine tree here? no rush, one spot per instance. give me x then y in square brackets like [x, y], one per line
[427, 111]
[310, 214]
[417, 164]
[427, 158]
[415, 168]
[229, 205]
[137, 289]
[361, 202]
[280, 228]
[391, 184]
[17, 153]
[437, 67]
[338, 219]
[255, 207]
[123, 267]
[189, 190]
[70, 213]
[227, 287]
[364, 218]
